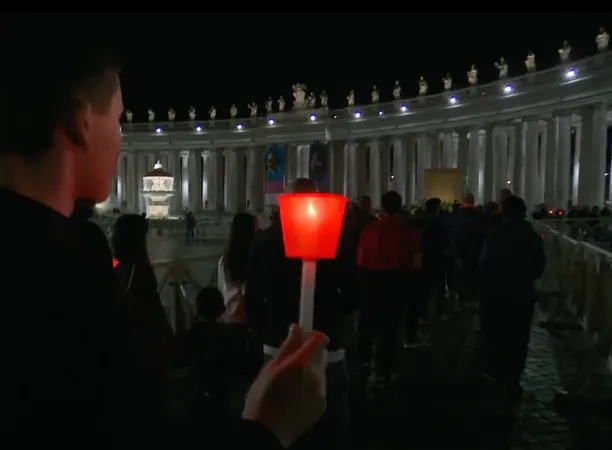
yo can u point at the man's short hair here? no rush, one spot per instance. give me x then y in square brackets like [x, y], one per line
[391, 202]
[209, 303]
[432, 205]
[365, 202]
[304, 186]
[468, 198]
[42, 87]
[514, 206]
[504, 193]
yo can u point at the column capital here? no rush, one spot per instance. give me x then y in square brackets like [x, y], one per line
[184, 153]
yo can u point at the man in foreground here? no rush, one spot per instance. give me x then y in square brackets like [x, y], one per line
[63, 343]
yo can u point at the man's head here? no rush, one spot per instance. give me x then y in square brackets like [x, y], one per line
[514, 207]
[59, 116]
[432, 206]
[365, 203]
[468, 198]
[303, 186]
[504, 193]
[391, 203]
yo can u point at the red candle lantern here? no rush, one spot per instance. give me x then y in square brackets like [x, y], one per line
[115, 262]
[311, 225]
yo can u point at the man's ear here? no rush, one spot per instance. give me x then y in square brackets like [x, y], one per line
[78, 127]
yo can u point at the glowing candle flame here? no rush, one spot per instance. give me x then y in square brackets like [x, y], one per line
[311, 211]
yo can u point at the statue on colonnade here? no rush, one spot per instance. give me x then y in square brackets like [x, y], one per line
[269, 105]
[564, 52]
[448, 82]
[397, 90]
[502, 66]
[151, 115]
[129, 115]
[253, 108]
[375, 94]
[472, 75]
[423, 86]
[602, 40]
[233, 111]
[530, 62]
[312, 100]
[281, 104]
[212, 113]
[299, 96]
[324, 99]
[171, 115]
[350, 98]
[192, 113]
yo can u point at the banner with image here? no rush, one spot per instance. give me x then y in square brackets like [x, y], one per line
[318, 166]
[275, 172]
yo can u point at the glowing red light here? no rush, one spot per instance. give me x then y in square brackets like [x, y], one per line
[115, 262]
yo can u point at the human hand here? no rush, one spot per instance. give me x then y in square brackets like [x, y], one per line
[288, 396]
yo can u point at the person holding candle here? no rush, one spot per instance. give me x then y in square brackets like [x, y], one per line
[272, 296]
[60, 110]
[389, 254]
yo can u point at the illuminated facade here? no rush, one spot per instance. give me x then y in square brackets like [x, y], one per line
[157, 191]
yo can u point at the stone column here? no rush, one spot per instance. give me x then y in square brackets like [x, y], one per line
[400, 169]
[564, 152]
[473, 171]
[463, 152]
[122, 181]
[131, 185]
[208, 182]
[141, 170]
[385, 165]
[195, 180]
[218, 168]
[549, 175]
[500, 161]
[351, 171]
[531, 162]
[592, 157]
[185, 179]
[576, 161]
[411, 165]
[255, 181]
[231, 180]
[303, 161]
[447, 149]
[336, 168]
[423, 161]
[291, 164]
[436, 156]
[375, 173]
[174, 167]
[489, 191]
[520, 152]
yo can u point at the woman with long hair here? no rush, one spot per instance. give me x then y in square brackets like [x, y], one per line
[232, 267]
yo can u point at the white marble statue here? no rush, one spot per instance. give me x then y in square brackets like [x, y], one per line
[312, 100]
[324, 99]
[269, 103]
[129, 115]
[151, 114]
[602, 40]
[281, 104]
[423, 86]
[233, 111]
[448, 82]
[192, 113]
[171, 115]
[375, 94]
[564, 52]
[502, 66]
[530, 62]
[212, 113]
[397, 90]
[472, 75]
[350, 98]
[253, 108]
[299, 96]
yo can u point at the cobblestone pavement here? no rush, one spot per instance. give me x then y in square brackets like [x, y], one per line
[441, 402]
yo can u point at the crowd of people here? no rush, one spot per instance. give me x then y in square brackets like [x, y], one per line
[89, 353]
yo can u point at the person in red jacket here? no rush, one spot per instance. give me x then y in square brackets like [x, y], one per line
[388, 254]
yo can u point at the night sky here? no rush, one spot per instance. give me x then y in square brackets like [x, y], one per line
[178, 59]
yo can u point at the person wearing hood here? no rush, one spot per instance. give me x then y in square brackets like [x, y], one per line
[511, 262]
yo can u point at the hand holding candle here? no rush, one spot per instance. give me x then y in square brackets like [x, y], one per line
[311, 226]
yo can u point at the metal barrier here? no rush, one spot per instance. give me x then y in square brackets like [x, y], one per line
[580, 274]
[176, 278]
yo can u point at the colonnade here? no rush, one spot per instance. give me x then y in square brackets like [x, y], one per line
[557, 158]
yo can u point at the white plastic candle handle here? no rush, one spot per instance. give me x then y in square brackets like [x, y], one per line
[309, 273]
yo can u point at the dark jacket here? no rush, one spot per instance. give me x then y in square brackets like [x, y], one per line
[436, 241]
[272, 291]
[464, 223]
[512, 260]
[63, 342]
